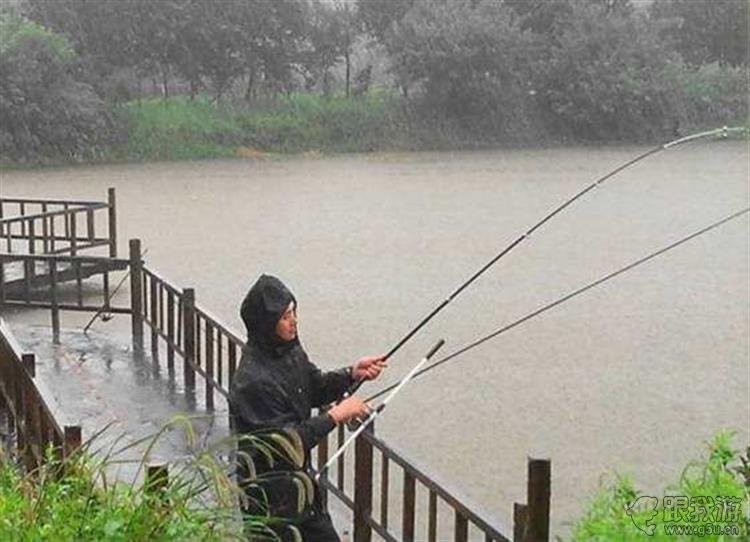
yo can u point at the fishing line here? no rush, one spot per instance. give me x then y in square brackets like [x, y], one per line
[377, 411]
[723, 132]
[565, 298]
[106, 316]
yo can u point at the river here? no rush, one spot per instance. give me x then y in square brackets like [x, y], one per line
[632, 376]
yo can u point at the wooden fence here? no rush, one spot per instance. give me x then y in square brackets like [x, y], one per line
[43, 226]
[212, 351]
[32, 426]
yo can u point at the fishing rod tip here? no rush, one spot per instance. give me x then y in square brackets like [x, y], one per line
[435, 348]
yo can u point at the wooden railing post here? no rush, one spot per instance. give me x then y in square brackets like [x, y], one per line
[29, 363]
[363, 487]
[188, 325]
[157, 478]
[407, 519]
[55, 312]
[519, 521]
[209, 366]
[112, 223]
[136, 293]
[538, 499]
[156, 325]
[322, 460]
[72, 435]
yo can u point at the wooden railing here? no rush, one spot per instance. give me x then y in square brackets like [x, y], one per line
[212, 351]
[43, 226]
[32, 426]
[178, 327]
[208, 348]
[36, 281]
[531, 521]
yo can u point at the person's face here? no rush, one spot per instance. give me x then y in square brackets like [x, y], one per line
[286, 327]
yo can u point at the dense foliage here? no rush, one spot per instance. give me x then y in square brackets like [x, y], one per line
[457, 72]
[87, 496]
[45, 109]
[722, 473]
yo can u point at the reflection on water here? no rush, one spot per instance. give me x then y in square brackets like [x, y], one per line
[634, 375]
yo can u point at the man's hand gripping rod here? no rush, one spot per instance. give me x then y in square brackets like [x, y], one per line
[376, 412]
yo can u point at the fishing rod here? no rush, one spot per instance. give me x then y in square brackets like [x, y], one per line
[103, 308]
[723, 132]
[565, 298]
[377, 410]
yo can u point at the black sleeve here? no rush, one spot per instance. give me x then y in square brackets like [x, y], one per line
[261, 406]
[327, 387]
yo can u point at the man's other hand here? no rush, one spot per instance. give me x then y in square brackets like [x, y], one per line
[351, 408]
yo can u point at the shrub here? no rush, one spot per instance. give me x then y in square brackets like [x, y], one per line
[721, 473]
[44, 110]
[178, 129]
[75, 499]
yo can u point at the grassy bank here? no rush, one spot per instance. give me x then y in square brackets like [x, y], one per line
[720, 480]
[183, 129]
[180, 128]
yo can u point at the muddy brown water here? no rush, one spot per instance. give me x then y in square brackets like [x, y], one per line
[632, 376]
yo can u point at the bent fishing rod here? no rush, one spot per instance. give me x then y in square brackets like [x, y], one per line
[377, 410]
[565, 298]
[723, 132]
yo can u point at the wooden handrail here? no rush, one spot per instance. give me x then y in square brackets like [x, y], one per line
[48, 201]
[439, 488]
[36, 426]
[61, 258]
[61, 212]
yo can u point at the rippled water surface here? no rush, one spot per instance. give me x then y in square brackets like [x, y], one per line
[633, 375]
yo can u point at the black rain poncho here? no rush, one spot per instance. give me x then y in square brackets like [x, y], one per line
[275, 384]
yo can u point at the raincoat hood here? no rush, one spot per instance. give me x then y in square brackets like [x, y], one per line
[261, 310]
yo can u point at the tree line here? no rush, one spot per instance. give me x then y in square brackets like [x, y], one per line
[482, 69]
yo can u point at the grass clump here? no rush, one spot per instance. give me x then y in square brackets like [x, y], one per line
[303, 121]
[178, 129]
[723, 473]
[75, 500]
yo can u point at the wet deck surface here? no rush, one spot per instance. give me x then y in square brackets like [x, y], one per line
[96, 380]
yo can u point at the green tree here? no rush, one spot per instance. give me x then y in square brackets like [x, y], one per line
[466, 59]
[334, 28]
[706, 31]
[44, 109]
[601, 76]
[379, 17]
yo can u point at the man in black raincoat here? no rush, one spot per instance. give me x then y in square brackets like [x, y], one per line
[276, 386]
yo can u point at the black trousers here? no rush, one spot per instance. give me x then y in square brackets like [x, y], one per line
[318, 528]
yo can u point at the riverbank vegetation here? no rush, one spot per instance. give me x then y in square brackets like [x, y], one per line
[77, 499]
[179, 79]
[87, 496]
[720, 479]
